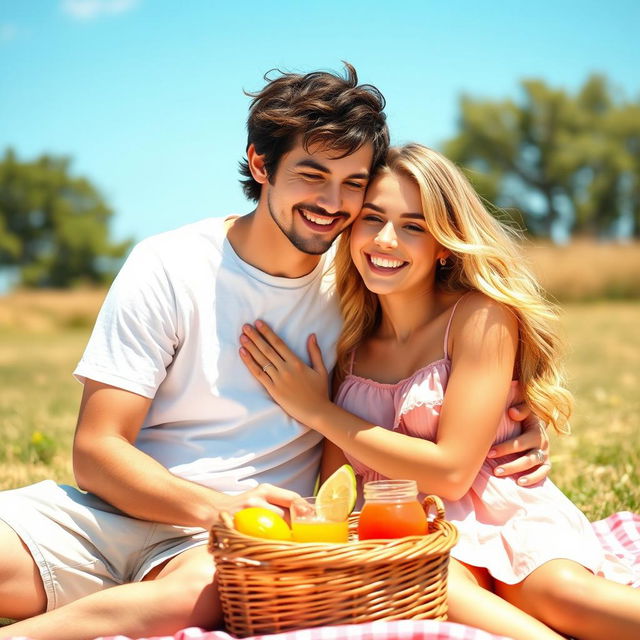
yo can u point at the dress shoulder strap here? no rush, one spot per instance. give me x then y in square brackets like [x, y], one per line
[352, 357]
[445, 347]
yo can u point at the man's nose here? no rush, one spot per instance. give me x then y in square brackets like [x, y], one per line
[330, 198]
[387, 236]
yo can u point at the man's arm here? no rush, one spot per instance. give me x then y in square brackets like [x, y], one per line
[106, 463]
[532, 438]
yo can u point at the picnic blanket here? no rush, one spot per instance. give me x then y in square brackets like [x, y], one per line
[619, 534]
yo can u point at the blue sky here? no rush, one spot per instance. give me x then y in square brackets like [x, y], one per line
[147, 96]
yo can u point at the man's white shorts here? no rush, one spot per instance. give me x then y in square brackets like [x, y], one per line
[82, 545]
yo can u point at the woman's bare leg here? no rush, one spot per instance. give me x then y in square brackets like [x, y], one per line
[473, 605]
[572, 600]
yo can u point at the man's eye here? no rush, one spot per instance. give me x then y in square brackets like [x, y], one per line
[356, 185]
[311, 176]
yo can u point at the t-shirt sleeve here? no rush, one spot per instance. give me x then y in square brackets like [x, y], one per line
[136, 333]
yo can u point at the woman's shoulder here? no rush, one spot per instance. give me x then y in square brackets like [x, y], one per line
[476, 303]
[478, 315]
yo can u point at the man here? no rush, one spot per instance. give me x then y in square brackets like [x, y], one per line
[172, 429]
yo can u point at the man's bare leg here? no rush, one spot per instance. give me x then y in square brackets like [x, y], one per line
[22, 594]
[182, 594]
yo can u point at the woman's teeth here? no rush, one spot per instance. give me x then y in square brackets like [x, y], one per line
[386, 263]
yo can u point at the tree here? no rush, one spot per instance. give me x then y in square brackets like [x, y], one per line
[54, 226]
[555, 159]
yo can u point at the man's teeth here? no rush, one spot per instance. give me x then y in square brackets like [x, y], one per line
[316, 219]
[386, 263]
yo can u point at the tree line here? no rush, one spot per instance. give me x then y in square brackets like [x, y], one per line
[54, 226]
[555, 159]
[548, 160]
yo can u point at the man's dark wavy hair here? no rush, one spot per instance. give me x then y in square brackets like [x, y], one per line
[317, 108]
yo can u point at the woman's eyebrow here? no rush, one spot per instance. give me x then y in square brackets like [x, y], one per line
[375, 207]
[409, 214]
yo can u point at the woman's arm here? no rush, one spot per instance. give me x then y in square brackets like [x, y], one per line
[484, 345]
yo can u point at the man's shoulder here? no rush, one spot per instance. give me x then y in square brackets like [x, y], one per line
[179, 253]
[186, 244]
[208, 230]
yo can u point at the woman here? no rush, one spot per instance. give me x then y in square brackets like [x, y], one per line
[443, 323]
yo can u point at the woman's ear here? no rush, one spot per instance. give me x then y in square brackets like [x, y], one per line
[256, 165]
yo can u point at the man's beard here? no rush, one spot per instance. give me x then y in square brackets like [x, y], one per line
[313, 245]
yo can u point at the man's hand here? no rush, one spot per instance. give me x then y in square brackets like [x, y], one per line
[264, 495]
[532, 443]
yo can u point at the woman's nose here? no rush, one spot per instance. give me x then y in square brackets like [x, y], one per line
[387, 237]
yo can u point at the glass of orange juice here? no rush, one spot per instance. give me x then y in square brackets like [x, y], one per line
[314, 521]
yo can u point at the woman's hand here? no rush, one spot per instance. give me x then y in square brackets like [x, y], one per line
[532, 443]
[298, 388]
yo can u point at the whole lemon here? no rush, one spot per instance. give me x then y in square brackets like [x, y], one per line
[261, 523]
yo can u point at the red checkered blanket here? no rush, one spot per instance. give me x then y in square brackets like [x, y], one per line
[619, 534]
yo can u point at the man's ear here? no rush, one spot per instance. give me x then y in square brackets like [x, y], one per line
[256, 165]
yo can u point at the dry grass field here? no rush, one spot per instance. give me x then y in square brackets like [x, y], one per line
[598, 466]
[42, 335]
[584, 271]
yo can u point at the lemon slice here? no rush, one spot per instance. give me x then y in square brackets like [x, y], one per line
[336, 497]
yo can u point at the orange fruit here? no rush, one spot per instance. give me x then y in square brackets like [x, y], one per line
[261, 523]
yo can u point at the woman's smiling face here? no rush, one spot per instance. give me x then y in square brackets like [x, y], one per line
[390, 243]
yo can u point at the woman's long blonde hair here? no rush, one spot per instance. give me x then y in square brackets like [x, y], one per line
[485, 256]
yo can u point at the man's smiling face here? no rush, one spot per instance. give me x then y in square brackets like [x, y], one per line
[315, 195]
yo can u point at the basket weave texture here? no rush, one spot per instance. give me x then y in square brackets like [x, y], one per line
[269, 586]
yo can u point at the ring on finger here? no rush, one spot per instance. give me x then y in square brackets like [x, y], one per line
[540, 455]
[266, 366]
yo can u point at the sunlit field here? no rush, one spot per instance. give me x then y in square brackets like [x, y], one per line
[597, 465]
[585, 271]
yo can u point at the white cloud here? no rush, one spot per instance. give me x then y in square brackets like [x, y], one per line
[8, 32]
[92, 9]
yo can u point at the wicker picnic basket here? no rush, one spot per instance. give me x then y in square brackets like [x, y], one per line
[269, 586]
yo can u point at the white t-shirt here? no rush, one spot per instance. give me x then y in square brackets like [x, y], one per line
[169, 330]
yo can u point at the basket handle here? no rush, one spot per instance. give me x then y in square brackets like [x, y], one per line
[435, 502]
[226, 519]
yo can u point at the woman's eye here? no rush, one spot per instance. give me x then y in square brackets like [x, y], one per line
[370, 217]
[413, 227]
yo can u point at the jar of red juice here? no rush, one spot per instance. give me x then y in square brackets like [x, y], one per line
[391, 510]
